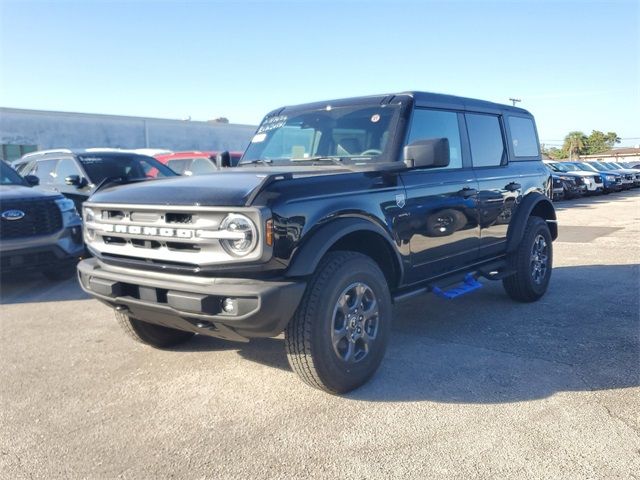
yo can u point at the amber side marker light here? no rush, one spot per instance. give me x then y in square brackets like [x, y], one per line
[268, 237]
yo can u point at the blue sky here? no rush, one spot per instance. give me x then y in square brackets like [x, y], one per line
[574, 64]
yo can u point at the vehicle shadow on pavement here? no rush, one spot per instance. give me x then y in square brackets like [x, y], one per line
[485, 348]
[265, 351]
[33, 287]
[592, 201]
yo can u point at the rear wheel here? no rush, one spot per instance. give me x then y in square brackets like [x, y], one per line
[338, 336]
[150, 334]
[532, 262]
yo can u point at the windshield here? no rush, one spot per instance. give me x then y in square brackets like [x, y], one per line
[611, 166]
[129, 167]
[584, 166]
[353, 134]
[9, 175]
[563, 167]
[599, 166]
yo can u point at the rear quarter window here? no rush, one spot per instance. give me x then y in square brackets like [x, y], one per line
[523, 137]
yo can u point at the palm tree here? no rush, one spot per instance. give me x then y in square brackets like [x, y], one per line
[574, 144]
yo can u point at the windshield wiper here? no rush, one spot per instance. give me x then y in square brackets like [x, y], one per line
[335, 160]
[258, 160]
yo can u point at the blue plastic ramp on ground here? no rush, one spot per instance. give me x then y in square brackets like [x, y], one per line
[469, 285]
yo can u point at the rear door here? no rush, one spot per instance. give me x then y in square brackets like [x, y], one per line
[500, 184]
[440, 216]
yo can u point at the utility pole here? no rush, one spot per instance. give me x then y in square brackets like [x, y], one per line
[515, 100]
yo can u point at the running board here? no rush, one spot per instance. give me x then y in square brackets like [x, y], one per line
[491, 271]
[470, 284]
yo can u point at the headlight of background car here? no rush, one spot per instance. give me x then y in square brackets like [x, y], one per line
[66, 205]
[68, 210]
[610, 178]
[88, 214]
[246, 235]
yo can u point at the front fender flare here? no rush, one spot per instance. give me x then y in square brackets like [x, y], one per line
[320, 240]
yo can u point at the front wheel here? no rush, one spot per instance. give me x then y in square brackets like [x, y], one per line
[532, 262]
[338, 336]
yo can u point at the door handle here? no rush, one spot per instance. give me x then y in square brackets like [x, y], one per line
[467, 192]
[513, 186]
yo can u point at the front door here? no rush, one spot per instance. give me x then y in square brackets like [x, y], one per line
[441, 217]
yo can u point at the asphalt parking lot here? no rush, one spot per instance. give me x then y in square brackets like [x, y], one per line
[473, 388]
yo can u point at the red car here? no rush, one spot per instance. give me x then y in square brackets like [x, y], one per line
[195, 162]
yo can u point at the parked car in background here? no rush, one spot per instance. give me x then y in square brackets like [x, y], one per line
[628, 177]
[557, 187]
[611, 181]
[77, 173]
[38, 230]
[628, 170]
[565, 186]
[195, 162]
[581, 183]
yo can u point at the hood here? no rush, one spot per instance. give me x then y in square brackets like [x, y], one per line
[229, 187]
[22, 192]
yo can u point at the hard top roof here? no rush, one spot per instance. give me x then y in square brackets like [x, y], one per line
[424, 99]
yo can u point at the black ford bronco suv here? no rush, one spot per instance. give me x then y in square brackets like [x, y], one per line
[337, 210]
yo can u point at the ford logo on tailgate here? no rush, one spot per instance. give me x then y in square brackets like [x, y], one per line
[12, 215]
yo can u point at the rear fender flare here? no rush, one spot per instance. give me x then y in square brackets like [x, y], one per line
[532, 204]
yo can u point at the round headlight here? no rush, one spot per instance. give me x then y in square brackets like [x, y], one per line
[243, 235]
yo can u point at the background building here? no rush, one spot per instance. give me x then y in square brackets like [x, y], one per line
[23, 131]
[631, 154]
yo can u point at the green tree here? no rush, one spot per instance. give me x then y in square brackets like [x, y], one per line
[575, 144]
[599, 142]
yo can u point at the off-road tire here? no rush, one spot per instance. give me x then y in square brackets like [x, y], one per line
[521, 286]
[308, 336]
[154, 335]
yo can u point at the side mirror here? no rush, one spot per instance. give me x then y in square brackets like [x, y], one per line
[433, 152]
[32, 180]
[76, 180]
[223, 159]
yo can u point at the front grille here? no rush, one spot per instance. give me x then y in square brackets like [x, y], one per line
[170, 236]
[579, 180]
[629, 177]
[41, 217]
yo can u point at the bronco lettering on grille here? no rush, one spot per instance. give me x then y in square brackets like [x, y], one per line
[150, 231]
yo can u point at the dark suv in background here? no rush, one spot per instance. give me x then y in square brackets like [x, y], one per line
[39, 231]
[337, 210]
[77, 173]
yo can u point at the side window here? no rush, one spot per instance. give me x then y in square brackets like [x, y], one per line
[485, 137]
[201, 166]
[178, 165]
[523, 136]
[44, 171]
[66, 167]
[428, 124]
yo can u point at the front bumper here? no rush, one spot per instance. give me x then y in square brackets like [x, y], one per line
[41, 252]
[195, 304]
